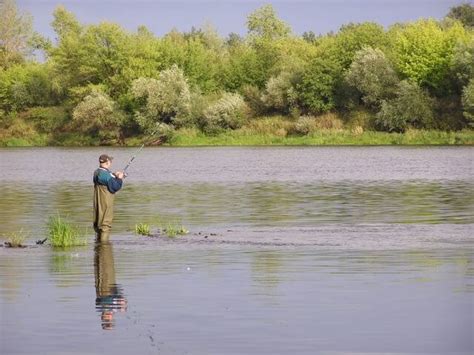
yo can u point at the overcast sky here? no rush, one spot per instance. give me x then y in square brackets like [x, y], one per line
[160, 16]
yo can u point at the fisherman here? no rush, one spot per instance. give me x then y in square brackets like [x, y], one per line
[106, 184]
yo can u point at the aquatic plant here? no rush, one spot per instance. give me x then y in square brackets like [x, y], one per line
[171, 227]
[16, 239]
[63, 234]
[172, 230]
[142, 229]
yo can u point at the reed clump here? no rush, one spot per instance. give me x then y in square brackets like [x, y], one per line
[62, 234]
[142, 229]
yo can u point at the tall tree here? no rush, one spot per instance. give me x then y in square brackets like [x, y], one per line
[264, 23]
[463, 13]
[16, 30]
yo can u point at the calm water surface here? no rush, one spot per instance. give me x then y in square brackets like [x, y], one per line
[291, 251]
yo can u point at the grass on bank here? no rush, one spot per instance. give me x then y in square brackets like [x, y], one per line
[62, 234]
[325, 137]
[327, 129]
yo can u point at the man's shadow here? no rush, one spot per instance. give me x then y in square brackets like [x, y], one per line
[109, 295]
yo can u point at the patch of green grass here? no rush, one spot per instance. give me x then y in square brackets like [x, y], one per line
[142, 229]
[171, 227]
[16, 239]
[64, 234]
[256, 136]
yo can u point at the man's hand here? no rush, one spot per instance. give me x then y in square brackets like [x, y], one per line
[119, 175]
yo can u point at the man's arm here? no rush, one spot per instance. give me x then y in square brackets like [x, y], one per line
[115, 182]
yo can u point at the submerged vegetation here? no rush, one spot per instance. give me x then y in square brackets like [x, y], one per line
[101, 84]
[61, 233]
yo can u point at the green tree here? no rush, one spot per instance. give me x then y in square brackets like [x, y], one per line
[166, 99]
[468, 102]
[351, 38]
[412, 108]
[16, 31]
[99, 116]
[373, 76]
[317, 87]
[229, 112]
[463, 13]
[280, 93]
[423, 52]
[463, 63]
[264, 23]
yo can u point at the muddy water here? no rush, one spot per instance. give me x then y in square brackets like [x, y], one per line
[291, 250]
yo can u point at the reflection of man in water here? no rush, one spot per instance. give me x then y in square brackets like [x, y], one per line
[109, 297]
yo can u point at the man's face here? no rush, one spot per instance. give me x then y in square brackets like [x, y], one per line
[107, 164]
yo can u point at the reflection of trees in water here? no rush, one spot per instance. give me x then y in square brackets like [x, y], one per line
[12, 276]
[267, 270]
[109, 294]
[278, 203]
[16, 204]
[67, 268]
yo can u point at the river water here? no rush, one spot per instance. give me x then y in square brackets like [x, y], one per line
[299, 250]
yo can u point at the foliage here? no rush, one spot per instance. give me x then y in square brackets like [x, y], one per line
[166, 99]
[423, 52]
[462, 66]
[98, 115]
[468, 102]
[372, 75]
[412, 108]
[28, 85]
[351, 38]
[280, 94]
[264, 23]
[229, 112]
[48, 119]
[16, 31]
[463, 13]
[316, 90]
[101, 83]
[62, 234]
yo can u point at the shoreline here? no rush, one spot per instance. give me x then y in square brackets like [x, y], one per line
[195, 138]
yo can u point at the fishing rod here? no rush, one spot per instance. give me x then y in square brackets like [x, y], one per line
[136, 154]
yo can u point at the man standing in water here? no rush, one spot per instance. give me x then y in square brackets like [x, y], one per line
[106, 184]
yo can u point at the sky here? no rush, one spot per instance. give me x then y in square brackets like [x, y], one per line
[160, 16]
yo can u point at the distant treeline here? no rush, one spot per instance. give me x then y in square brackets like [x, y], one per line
[104, 82]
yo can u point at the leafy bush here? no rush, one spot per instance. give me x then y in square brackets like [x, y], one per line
[280, 94]
[316, 90]
[412, 108]
[48, 119]
[98, 115]
[372, 75]
[166, 99]
[253, 97]
[468, 102]
[229, 112]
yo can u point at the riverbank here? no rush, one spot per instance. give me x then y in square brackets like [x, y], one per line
[194, 137]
